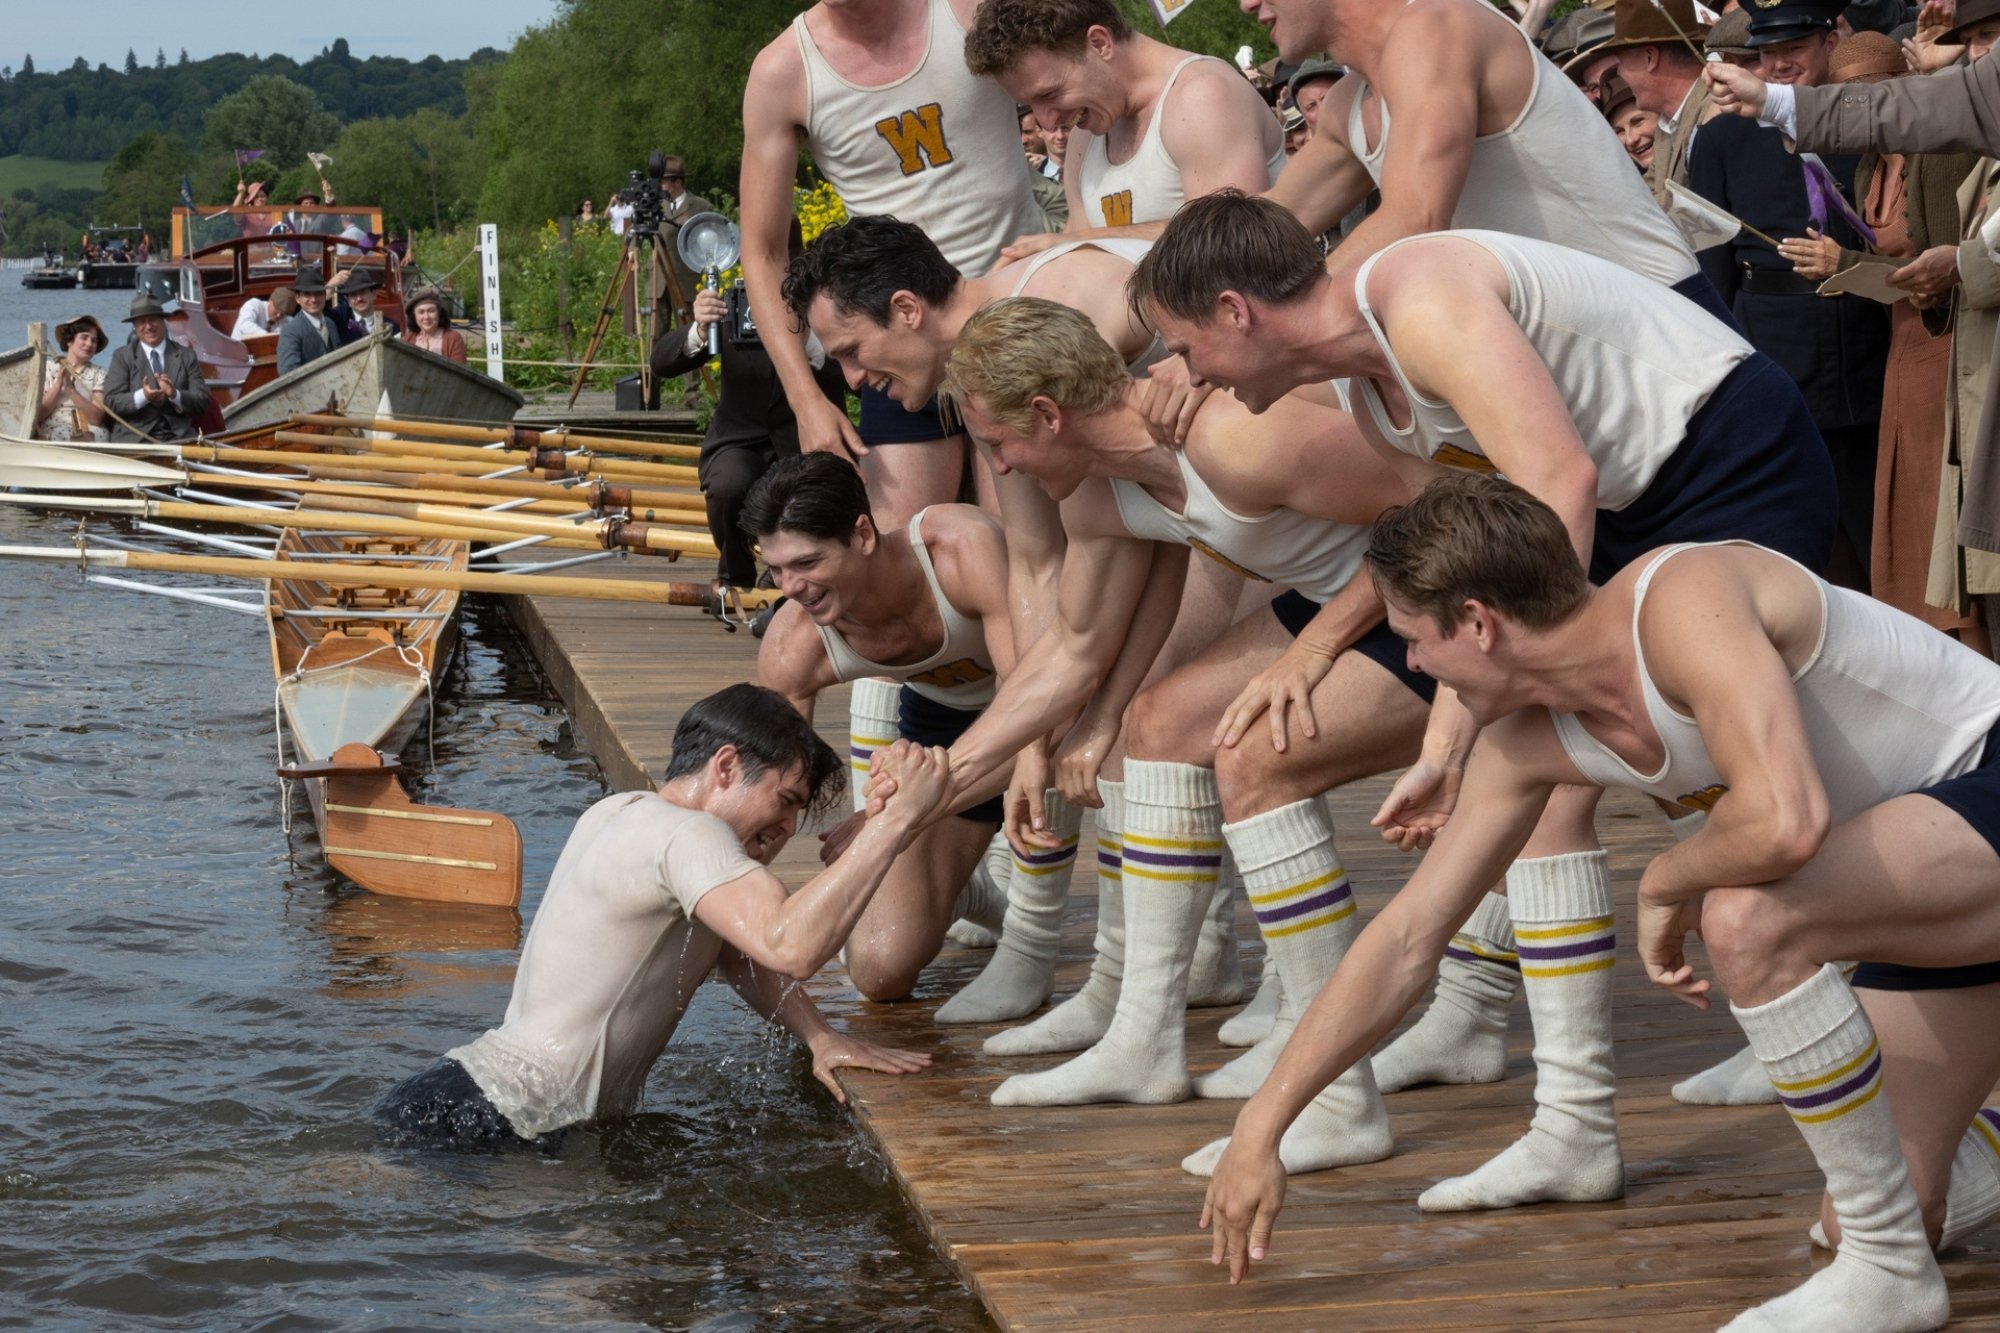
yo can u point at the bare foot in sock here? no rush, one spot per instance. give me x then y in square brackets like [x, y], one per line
[1107, 1072]
[971, 934]
[1215, 978]
[1010, 985]
[1252, 1023]
[1446, 1045]
[1348, 1132]
[1536, 1168]
[1076, 1024]
[1245, 1074]
[1852, 1296]
[1738, 1081]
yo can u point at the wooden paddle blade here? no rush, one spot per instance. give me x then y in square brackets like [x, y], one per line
[389, 844]
[47, 467]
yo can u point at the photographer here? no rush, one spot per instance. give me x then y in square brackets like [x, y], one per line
[753, 424]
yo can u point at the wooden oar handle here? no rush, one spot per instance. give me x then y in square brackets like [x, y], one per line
[336, 767]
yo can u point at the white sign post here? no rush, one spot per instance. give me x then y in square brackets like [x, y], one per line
[489, 299]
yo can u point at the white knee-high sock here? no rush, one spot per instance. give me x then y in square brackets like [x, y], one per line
[982, 903]
[1821, 1054]
[1563, 929]
[1253, 1023]
[1462, 1037]
[1021, 973]
[1216, 975]
[1738, 1080]
[1306, 913]
[1079, 1021]
[872, 723]
[1973, 1198]
[1172, 850]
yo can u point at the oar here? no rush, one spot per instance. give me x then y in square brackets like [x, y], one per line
[314, 520]
[389, 576]
[341, 463]
[647, 505]
[29, 466]
[606, 531]
[308, 486]
[668, 474]
[514, 436]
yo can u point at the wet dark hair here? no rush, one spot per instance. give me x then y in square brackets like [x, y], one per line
[1225, 242]
[1005, 30]
[819, 495]
[863, 262]
[1473, 536]
[769, 734]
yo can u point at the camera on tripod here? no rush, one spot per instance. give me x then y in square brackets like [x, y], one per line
[646, 196]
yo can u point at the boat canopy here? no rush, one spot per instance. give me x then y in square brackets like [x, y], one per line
[198, 229]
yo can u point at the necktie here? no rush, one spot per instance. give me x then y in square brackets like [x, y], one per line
[154, 353]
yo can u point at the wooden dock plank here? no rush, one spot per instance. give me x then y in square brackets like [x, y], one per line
[1080, 1218]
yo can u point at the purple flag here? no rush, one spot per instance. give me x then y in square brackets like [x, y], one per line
[245, 156]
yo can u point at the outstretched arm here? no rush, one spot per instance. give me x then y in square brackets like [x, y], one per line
[785, 1002]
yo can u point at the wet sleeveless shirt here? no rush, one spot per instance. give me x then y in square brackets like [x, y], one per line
[1889, 705]
[1129, 249]
[1147, 186]
[958, 675]
[1316, 556]
[1632, 362]
[937, 147]
[1556, 175]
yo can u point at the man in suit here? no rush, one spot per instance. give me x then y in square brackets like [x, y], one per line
[1835, 349]
[154, 385]
[355, 311]
[682, 204]
[1664, 74]
[310, 334]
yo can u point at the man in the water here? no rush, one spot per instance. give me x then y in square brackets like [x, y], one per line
[652, 893]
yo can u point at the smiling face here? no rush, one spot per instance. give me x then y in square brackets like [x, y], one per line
[152, 330]
[426, 316]
[899, 358]
[1224, 351]
[361, 301]
[313, 303]
[1059, 466]
[1460, 659]
[764, 811]
[1064, 92]
[1802, 61]
[1636, 129]
[821, 575]
[83, 344]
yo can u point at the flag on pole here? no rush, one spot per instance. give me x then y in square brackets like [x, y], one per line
[320, 160]
[1702, 223]
[245, 156]
[1166, 11]
[187, 192]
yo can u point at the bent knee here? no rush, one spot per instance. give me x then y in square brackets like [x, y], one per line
[1750, 937]
[1162, 728]
[881, 971]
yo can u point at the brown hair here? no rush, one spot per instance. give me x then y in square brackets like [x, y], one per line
[1479, 537]
[1021, 348]
[1005, 30]
[1225, 242]
[284, 301]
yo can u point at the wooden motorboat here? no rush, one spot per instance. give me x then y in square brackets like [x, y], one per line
[355, 670]
[52, 274]
[380, 376]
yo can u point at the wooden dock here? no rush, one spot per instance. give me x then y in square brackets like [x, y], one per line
[1081, 1218]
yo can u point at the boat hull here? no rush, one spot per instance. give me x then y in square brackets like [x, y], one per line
[380, 376]
[21, 388]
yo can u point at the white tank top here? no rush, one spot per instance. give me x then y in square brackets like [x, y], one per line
[958, 675]
[937, 148]
[1890, 706]
[1633, 363]
[1147, 186]
[1316, 556]
[1131, 250]
[1556, 174]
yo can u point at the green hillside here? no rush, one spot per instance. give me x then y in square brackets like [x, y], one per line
[20, 172]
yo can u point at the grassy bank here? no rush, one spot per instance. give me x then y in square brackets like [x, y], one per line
[19, 172]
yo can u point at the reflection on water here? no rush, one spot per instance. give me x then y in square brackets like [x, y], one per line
[197, 1014]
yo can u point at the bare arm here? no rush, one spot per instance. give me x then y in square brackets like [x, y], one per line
[792, 660]
[772, 123]
[1324, 181]
[1219, 132]
[796, 935]
[785, 1002]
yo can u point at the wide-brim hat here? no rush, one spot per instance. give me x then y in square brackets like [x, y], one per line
[145, 306]
[1731, 35]
[1789, 20]
[309, 283]
[1591, 35]
[1317, 68]
[363, 280]
[1867, 57]
[68, 329]
[1642, 23]
[1968, 14]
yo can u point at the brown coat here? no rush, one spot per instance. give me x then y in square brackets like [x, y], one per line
[1955, 110]
[1957, 572]
[1670, 154]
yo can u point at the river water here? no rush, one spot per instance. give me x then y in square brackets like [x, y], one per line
[196, 1015]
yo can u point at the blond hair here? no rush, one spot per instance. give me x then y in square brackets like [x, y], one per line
[1022, 348]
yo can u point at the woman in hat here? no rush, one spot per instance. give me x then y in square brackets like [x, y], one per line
[72, 406]
[1635, 127]
[430, 327]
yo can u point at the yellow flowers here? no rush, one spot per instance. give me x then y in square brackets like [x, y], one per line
[817, 209]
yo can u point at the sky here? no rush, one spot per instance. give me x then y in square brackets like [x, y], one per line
[411, 29]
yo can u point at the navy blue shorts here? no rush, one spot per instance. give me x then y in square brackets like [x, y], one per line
[1697, 288]
[924, 720]
[443, 1107]
[1975, 798]
[883, 421]
[1752, 467]
[1295, 611]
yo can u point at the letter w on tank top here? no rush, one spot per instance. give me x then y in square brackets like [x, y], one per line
[917, 136]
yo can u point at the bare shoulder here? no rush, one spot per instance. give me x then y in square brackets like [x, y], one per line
[777, 79]
[1092, 511]
[791, 659]
[1525, 748]
[1211, 108]
[969, 553]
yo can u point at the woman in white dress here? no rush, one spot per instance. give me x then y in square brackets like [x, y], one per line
[72, 406]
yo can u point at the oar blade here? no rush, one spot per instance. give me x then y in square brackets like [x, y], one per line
[31, 465]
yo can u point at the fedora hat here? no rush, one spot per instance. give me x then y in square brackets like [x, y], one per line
[1590, 35]
[69, 328]
[362, 278]
[146, 305]
[309, 283]
[1968, 14]
[1867, 57]
[1642, 23]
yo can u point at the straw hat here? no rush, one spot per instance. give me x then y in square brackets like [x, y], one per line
[1866, 57]
[69, 328]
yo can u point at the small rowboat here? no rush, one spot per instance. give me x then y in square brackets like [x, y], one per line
[380, 376]
[355, 670]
